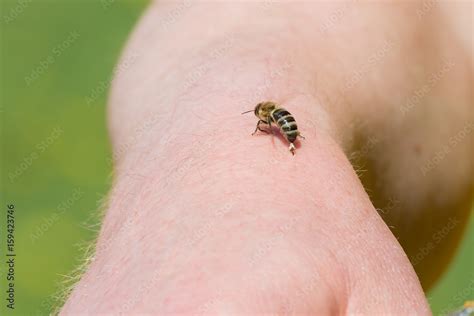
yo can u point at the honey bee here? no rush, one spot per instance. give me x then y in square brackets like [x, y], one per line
[467, 310]
[269, 112]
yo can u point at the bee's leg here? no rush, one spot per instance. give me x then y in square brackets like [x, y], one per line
[270, 125]
[258, 127]
[301, 136]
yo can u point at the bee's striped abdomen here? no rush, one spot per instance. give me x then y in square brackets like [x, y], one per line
[286, 123]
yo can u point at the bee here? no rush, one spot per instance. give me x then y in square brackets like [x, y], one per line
[269, 112]
[467, 310]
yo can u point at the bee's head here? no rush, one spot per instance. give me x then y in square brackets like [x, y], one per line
[263, 110]
[257, 109]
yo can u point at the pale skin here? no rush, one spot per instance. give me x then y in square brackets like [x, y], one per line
[206, 219]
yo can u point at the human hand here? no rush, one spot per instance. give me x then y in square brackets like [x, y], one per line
[205, 219]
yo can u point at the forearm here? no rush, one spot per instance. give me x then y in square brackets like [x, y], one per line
[245, 207]
[203, 217]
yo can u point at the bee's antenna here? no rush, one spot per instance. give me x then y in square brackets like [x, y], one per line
[247, 111]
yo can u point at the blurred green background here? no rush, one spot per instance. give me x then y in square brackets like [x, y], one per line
[56, 61]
